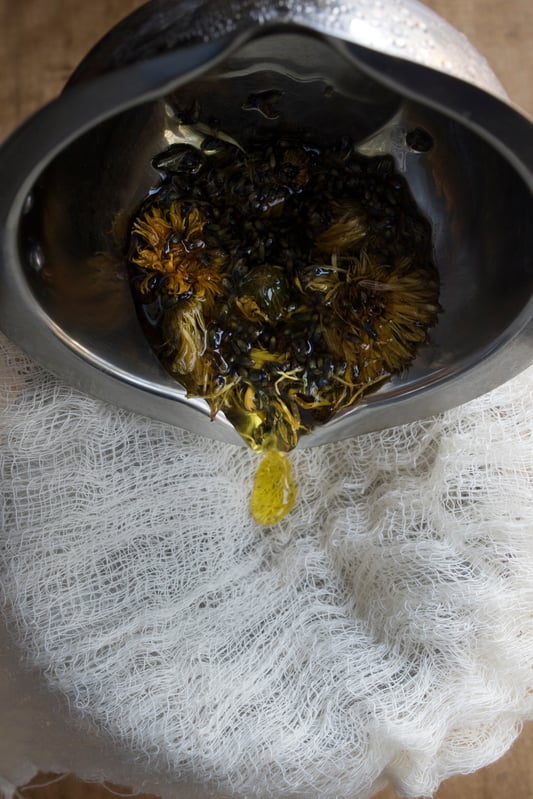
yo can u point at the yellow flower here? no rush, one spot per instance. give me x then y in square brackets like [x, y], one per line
[172, 247]
[154, 228]
[346, 232]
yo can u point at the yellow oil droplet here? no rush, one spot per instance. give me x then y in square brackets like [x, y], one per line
[274, 493]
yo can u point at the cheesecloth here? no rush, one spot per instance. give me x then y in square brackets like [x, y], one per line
[382, 632]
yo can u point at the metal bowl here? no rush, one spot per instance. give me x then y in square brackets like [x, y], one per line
[72, 176]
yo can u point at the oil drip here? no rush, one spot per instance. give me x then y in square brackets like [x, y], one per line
[274, 493]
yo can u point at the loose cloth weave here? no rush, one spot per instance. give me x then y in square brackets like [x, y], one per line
[382, 632]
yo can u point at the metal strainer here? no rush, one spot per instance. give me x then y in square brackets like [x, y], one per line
[378, 72]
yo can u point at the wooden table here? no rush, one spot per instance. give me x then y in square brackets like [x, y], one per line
[42, 41]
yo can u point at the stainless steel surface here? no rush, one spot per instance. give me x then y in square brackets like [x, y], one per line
[74, 173]
[403, 28]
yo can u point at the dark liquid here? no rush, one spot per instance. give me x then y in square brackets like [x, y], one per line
[284, 283]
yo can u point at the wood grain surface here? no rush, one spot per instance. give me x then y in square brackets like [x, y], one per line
[43, 40]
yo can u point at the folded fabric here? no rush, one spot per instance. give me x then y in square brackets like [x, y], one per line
[382, 632]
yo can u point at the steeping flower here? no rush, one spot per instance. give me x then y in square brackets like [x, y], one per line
[170, 245]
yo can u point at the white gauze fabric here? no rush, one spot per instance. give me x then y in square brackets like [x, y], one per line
[383, 631]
